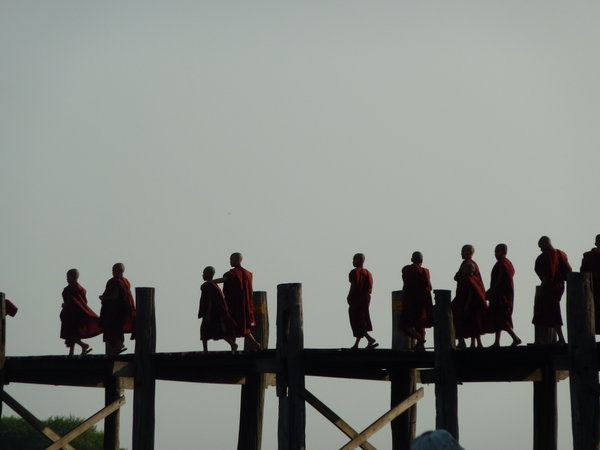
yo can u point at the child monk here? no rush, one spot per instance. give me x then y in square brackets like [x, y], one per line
[469, 307]
[359, 298]
[216, 320]
[78, 321]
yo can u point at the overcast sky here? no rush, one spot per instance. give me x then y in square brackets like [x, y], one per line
[168, 135]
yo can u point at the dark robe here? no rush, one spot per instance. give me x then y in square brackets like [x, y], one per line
[117, 316]
[11, 308]
[216, 321]
[552, 266]
[78, 321]
[477, 274]
[591, 263]
[417, 306]
[469, 307]
[237, 288]
[501, 295]
[359, 298]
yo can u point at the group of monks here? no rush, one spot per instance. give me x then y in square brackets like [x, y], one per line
[476, 311]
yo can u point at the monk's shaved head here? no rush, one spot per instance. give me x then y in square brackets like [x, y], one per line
[358, 260]
[118, 268]
[72, 274]
[544, 243]
[417, 258]
[467, 251]
[236, 259]
[208, 273]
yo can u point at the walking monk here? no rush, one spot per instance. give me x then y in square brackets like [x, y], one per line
[78, 321]
[216, 321]
[467, 279]
[359, 298]
[117, 315]
[417, 307]
[501, 296]
[591, 263]
[552, 266]
[237, 287]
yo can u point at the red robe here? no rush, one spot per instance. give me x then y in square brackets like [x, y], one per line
[78, 321]
[216, 321]
[117, 316]
[469, 307]
[11, 308]
[591, 263]
[552, 266]
[417, 306]
[237, 288]
[359, 299]
[501, 295]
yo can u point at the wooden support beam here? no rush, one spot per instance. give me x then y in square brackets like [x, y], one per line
[402, 381]
[84, 426]
[145, 381]
[290, 375]
[446, 390]
[253, 391]
[112, 426]
[334, 418]
[584, 362]
[32, 420]
[384, 420]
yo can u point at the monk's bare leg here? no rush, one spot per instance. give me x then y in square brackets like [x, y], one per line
[355, 346]
[232, 343]
[561, 337]
[85, 348]
[71, 349]
[516, 339]
[478, 340]
[253, 341]
[461, 343]
[372, 343]
[205, 345]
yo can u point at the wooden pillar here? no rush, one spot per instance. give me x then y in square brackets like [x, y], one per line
[446, 390]
[144, 378]
[253, 391]
[545, 415]
[2, 345]
[112, 393]
[290, 375]
[583, 370]
[403, 382]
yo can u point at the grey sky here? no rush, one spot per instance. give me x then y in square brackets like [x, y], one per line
[168, 135]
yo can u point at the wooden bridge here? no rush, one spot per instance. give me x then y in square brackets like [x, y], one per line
[289, 363]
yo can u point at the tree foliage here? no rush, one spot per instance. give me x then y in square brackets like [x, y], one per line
[16, 434]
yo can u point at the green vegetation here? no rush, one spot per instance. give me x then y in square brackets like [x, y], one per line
[16, 434]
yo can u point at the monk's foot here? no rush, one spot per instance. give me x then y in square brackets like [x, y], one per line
[516, 342]
[562, 342]
[495, 345]
[120, 350]
[86, 350]
[234, 348]
[354, 347]
[372, 345]
[461, 344]
[420, 345]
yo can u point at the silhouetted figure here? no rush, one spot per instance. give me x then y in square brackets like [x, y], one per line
[469, 306]
[216, 321]
[501, 296]
[417, 306]
[78, 321]
[552, 266]
[591, 263]
[117, 315]
[435, 440]
[359, 299]
[237, 287]
[467, 251]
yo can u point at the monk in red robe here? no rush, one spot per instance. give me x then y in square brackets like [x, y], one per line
[417, 306]
[591, 263]
[469, 306]
[237, 287]
[463, 288]
[501, 296]
[117, 315]
[78, 321]
[359, 299]
[216, 321]
[552, 266]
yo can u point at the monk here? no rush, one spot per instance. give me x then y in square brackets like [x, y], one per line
[501, 297]
[359, 298]
[117, 315]
[216, 321]
[237, 287]
[552, 266]
[469, 307]
[591, 263]
[467, 251]
[417, 308]
[78, 321]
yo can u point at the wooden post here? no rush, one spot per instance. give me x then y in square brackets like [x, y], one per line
[144, 379]
[112, 392]
[403, 382]
[545, 415]
[583, 371]
[253, 391]
[290, 375]
[446, 391]
[2, 344]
